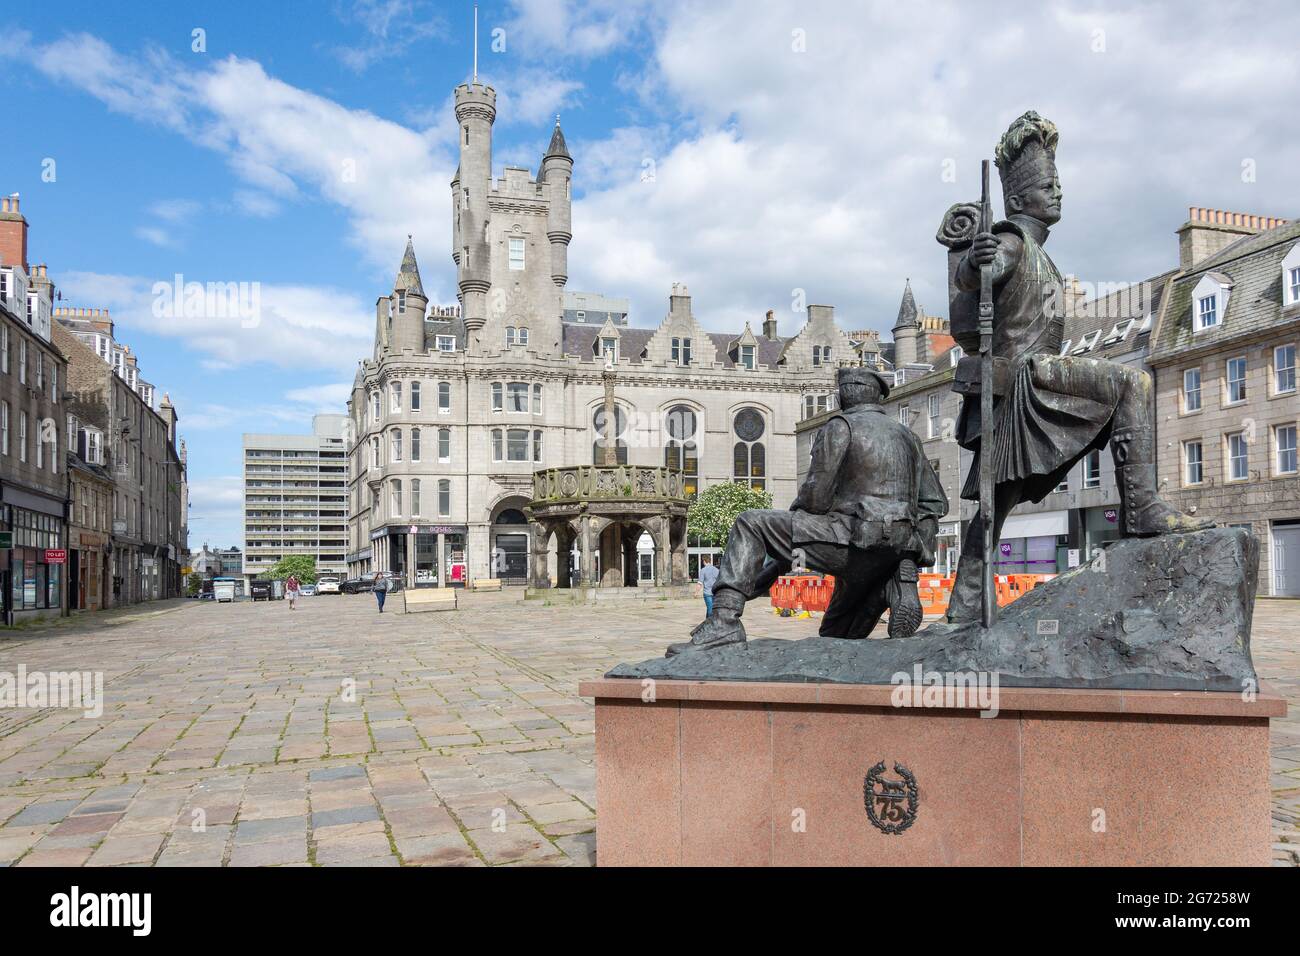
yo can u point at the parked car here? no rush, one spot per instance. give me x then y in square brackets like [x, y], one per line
[307, 590]
[327, 585]
[260, 590]
[357, 585]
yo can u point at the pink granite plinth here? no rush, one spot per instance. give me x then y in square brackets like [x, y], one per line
[757, 774]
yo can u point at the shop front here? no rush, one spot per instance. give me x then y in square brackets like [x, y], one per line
[87, 570]
[1034, 544]
[34, 571]
[427, 556]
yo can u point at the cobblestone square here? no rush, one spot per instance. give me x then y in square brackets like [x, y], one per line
[248, 735]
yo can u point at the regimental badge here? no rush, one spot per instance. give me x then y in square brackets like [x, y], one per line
[891, 804]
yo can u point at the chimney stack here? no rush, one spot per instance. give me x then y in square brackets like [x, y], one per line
[1208, 231]
[769, 326]
[13, 233]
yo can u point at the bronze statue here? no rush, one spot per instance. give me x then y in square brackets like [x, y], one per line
[1049, 410]
[867, 513]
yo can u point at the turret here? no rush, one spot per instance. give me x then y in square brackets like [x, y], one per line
[905, 330]
[476, 109]
[557, 173]
[408, 304]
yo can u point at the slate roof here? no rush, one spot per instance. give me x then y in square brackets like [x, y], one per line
[580, 341]
[1254, 264]
[408, 274]
[558, 147]
[1102, 314]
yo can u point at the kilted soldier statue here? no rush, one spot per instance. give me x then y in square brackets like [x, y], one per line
[1049, 410]
[867, 513]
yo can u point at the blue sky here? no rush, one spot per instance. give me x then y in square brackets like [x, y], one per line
[795, 151]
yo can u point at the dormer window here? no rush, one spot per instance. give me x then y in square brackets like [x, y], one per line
[1210, 298]
[747, 357]
[1207, 312]
[1087, 342]
[955, 355]
[609, 349]
[1065, 348]
[1291, 277]
[1119, 332]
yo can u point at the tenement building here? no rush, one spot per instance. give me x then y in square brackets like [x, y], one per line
[295, 497]
[458, 406]
[1224, 357]
[138, 447]
[33, 478]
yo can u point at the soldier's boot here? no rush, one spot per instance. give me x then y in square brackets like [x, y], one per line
[1143, 512]
[905, 614]
[966, 603]
[720, 628]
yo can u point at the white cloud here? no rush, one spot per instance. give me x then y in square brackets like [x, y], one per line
[386, 24]
[301, 327]
[331, 398]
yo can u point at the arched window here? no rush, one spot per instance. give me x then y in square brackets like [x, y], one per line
[395, 396]
[510, 335]
[511, 516]
[376, 409]
[374, 452]
[444, 397]
[749, 457]
[521, 337]
[444, 498]
[537, 399]
[598, 446]
[415, 396]
[397, 445]
[680, 449]
[415, 444]
[444, 444]
[415, 497]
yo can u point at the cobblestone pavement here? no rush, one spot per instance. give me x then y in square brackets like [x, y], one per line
[247, 734]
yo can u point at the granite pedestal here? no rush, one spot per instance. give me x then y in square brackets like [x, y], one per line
[756, 774]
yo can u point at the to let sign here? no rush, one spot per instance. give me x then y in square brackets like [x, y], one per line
[56, 556]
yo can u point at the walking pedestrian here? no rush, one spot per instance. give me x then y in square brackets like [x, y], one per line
[291, 588]
[708, 577]
[381, 589]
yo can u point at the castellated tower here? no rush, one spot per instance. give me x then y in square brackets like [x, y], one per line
[905, 327]
[476, 110]
[557, 172]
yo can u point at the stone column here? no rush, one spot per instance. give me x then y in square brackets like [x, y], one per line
[539, 576]
[610, 451]
[442, 560]
[587, 571]
[410, 558]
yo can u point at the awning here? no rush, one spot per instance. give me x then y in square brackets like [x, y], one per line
[1040, 525]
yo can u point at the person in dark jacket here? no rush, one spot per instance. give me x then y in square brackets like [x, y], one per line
[380, 589]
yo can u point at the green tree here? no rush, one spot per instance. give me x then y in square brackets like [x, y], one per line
[716, 508]
[194, 584]
[301, 565]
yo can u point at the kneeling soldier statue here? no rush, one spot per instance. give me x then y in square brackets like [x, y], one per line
[867, 513]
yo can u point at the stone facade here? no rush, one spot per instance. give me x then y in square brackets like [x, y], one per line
[33, 473]
[1226, 398]
[500, 386]
[139, 451]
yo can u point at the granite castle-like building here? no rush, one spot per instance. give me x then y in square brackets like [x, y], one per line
[459, 406]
